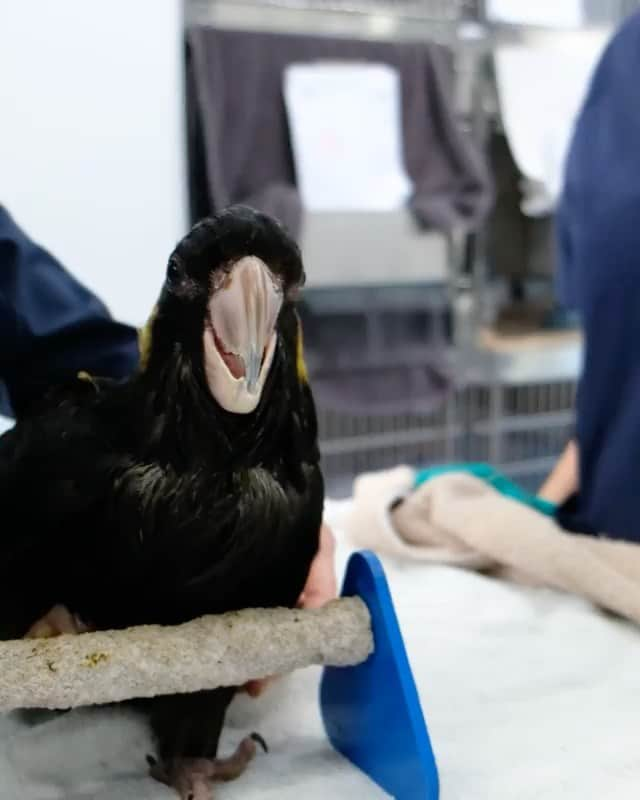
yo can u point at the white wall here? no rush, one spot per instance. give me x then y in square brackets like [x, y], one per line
[91, 138]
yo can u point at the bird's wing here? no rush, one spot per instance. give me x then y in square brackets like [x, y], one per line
[51, 470]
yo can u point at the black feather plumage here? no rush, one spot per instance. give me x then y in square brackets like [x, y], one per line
[146, 502]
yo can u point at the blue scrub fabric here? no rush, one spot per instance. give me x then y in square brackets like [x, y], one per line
[51, 326]
[599, 276]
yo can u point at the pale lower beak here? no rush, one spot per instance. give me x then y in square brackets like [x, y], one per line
[240, 334]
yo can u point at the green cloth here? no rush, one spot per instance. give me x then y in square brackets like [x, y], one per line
[489, 475]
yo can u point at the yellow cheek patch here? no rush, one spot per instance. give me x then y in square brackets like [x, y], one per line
[84, 376]
[144, 339]
[301, 367]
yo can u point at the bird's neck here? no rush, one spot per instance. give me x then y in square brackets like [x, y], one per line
[179, 422]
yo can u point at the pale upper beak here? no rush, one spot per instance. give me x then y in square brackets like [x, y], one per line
[240, 337]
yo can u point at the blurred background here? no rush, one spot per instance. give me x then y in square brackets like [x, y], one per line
[414, 147]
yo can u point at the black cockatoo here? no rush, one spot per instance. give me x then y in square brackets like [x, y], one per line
[192, 488]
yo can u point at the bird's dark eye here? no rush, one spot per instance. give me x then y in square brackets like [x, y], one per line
[174, 273]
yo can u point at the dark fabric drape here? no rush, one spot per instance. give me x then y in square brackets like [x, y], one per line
[238, 134]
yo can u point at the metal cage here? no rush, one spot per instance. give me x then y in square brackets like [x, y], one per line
[518, 428]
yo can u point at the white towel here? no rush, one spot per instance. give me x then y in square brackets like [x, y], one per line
[460, 520]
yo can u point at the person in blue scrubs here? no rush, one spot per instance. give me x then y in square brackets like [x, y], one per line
[596, 481]
[51, 326]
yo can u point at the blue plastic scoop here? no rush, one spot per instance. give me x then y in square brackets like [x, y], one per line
[371, 712]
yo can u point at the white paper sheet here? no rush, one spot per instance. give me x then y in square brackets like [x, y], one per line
[345, 124]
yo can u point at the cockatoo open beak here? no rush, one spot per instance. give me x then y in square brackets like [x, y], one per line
[240, 333]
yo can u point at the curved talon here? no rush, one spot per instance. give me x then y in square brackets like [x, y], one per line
[230, 768]
[257, 738]
[158, 771]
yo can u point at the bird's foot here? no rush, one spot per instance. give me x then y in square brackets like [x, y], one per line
[55, 622]
[192, 778]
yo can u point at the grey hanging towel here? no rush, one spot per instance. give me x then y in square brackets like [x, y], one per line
[239, 143]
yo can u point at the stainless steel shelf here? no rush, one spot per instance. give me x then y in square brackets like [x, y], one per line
[454, 22]
[439, 20]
